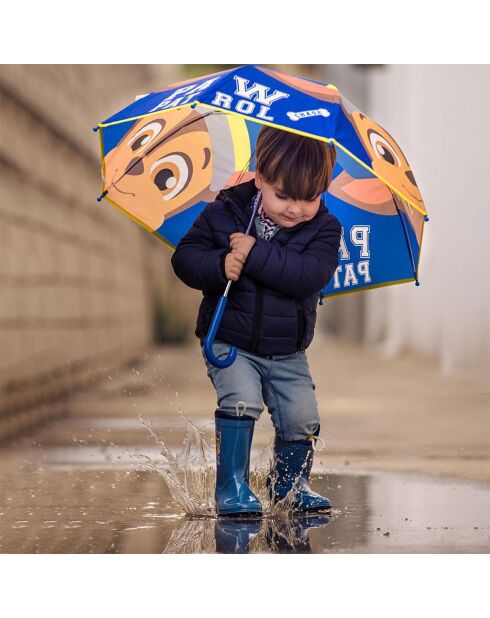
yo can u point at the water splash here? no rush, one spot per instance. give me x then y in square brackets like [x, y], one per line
[190, 473]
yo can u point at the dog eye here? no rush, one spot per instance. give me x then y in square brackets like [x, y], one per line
[142, 139]
[171, 174]
[382, 149]
[146, 135]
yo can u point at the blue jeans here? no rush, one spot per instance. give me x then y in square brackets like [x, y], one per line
[283, 382]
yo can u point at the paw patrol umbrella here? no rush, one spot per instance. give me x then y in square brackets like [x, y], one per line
[169, 153]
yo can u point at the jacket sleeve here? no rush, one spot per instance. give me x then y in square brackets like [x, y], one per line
[196, 260]
[298, 275]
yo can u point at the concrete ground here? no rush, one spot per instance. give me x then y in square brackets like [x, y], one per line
[398, 415]
[377, 414]
[78, 484]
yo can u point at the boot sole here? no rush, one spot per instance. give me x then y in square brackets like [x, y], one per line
[327, 510]
[241, 515]
[320, 509]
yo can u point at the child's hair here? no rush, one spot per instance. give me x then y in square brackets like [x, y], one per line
[304, 164]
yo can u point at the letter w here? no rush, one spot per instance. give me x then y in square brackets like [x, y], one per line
[257, 91]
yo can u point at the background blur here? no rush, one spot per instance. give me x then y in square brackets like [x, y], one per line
[84, 289]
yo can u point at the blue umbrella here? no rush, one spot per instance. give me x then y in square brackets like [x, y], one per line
[150, 149]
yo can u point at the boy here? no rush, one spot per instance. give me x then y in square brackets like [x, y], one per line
[278, 270]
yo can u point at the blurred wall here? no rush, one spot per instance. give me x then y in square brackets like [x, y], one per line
[77, 278]
[439, 115]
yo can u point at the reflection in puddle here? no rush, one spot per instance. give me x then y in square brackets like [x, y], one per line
[118, 511]
[241, 536]
[157, 499]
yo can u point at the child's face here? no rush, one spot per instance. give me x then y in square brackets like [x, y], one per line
[283, 210]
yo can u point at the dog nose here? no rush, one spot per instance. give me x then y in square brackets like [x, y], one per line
[135, 167]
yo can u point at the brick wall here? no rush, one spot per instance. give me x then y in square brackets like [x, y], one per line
[77, 278]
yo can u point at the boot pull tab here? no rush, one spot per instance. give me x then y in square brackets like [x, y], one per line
[238, 408]
[314, 439]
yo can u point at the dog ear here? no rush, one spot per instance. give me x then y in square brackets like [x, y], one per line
[366, 193]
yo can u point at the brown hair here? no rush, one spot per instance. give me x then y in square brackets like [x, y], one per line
[304, 164]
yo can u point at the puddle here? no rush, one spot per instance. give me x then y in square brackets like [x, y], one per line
[52, 510]
[156, 498]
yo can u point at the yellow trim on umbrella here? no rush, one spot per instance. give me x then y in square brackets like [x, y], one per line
[322, 139]
[269, 124]
[242, 155]
[368, 287]
[160, 111]
[276, 126]
[420, 210]
[102, 160]
[147, 227]
[169, 244]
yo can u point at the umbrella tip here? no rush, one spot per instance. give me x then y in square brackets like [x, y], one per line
[426, 217]
[101, 196]
[95, 129]
[417, 282]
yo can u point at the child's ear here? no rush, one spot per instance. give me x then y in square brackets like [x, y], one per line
[258, 180]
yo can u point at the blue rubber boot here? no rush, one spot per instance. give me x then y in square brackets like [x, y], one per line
[234, 536]
[292, 460]
[233, 442]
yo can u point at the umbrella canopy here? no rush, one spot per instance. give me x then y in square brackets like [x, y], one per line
[168, 154]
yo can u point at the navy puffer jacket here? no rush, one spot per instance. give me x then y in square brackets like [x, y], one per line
[271, 309]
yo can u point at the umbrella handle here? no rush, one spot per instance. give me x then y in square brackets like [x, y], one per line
[209, 339]
[218, 312]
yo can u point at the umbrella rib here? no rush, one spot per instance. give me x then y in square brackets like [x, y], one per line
[407, 239]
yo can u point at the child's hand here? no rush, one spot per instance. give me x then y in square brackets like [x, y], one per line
[242, 242]
[234, 262]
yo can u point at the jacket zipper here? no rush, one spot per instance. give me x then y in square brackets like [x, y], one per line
[257, 318]
[260, 291]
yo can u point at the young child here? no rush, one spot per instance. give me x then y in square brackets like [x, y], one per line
[278, 271]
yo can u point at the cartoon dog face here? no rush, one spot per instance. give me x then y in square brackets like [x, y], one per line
[387, 158]
[372, 195]
[159, 168]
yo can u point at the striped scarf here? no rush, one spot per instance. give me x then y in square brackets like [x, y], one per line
[266, 227]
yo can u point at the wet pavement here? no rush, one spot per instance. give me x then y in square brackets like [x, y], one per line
[92, 481]
[56, 509]
[100, 499]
